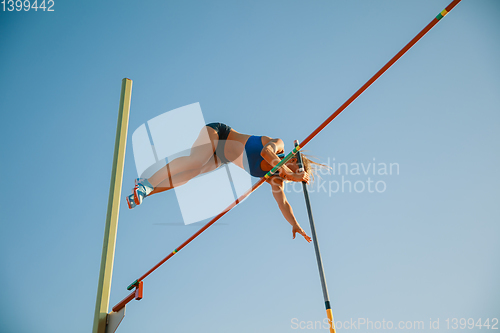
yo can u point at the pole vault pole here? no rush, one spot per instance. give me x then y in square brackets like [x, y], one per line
[136, 283]
[316, 245]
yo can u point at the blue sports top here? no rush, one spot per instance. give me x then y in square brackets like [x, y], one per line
[253, 149]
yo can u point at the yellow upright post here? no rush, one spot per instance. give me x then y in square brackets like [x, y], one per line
[108, 247]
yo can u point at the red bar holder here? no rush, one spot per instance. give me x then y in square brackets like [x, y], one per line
[136, 294]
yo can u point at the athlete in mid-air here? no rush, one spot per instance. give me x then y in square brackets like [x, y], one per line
[225, 145]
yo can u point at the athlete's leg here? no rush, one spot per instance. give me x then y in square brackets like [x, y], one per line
[200, 154]
[183, 177]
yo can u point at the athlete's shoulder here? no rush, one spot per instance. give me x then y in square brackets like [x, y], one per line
[277, 141]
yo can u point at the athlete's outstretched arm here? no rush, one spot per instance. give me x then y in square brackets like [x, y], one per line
[285, 207]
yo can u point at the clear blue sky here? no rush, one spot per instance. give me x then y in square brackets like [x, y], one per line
[427, 247]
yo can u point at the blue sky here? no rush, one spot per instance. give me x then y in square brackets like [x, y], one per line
[427, 247]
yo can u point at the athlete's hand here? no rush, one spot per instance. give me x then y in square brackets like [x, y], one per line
[300, 176]
[298, 229]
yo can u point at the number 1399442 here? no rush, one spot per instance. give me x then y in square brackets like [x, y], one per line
[27, 5]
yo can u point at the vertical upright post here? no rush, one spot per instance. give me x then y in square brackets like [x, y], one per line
[108, 247]
[316, 246]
